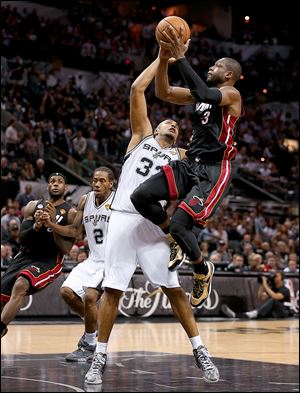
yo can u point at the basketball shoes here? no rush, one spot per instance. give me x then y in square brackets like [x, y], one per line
[177, 257]
[94, 375]
[202, 358]
[202, 285]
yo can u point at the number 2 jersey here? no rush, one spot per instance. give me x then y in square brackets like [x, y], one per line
[140, 163]
[95, 221]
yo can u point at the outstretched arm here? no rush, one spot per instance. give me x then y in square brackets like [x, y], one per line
[139, 121]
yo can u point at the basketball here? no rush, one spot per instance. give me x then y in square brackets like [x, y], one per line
[176, 22]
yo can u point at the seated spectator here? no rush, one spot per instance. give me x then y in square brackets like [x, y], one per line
[24, 197]
[6, 256]
[5, 172]
[79, 145]
[73, 254]
[11, 138]
[82, 255]
[15, 171]
[237, 264]
[27, 172]
[13, 238]
[89, 163]
[222, 251]
[292, 267]
[254, 263]
[40, 172]
[10, 215]
[204, 248]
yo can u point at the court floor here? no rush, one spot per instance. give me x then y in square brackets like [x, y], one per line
[155, 356]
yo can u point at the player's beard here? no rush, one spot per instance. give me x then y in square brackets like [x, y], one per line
[55, 197]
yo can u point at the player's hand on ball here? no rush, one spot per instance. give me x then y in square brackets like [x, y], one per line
[174, 44]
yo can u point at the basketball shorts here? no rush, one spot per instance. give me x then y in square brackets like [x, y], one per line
[208, 185]
[133, 240]
[87, 274]
[39, 273]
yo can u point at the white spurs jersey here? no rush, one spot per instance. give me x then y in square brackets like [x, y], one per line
[95, 220]
[140, 163]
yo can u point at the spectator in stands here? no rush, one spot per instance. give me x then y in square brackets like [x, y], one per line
[237, 264]
[10, 215]
[40, 172]
[6, 255]
[90, 164]
[222, 251]
[13, 238]
[5, 172]
[79, 145]
[82, 255]
[292, 267]
[272, 294]
[207, 234]
[26, 196]
[11, 138]
[27, 173]
[204, 248]
[73, 254]
[254, 263]
[15, 171]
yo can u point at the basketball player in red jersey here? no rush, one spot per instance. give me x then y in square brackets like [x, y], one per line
[212, 148]
[40, 259]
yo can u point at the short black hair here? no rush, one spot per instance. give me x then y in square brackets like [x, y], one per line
[234, 66]
[57, 174]
[110, 173]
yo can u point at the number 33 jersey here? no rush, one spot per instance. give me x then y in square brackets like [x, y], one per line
[140, 163]
[95, 221]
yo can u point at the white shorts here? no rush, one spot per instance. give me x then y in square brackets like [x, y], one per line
[133, 240]
[87, 274]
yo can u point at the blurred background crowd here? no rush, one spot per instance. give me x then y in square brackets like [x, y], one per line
[66, 72]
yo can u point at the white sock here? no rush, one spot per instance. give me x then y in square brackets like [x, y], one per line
[101, 347]
[90, 338]
[196, 341]
[252, 314]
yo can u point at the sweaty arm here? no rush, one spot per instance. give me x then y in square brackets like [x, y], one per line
[199, 90]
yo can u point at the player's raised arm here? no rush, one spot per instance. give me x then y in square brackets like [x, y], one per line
[139, 121]
[163, 90]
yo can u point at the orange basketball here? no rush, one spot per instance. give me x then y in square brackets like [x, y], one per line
[176, 22]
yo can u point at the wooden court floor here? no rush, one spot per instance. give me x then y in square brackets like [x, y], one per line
[252, 356]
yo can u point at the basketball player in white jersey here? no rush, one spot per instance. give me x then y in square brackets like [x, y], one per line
[82, 288]
[132, 239]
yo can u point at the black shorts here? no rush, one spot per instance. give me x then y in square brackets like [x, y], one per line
[200, 186]
[39, 273]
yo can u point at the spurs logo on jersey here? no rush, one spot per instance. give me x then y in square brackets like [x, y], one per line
[95, 221]
[143, 161]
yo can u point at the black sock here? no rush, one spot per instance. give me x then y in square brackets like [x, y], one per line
[3, 327]
[201, 268]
